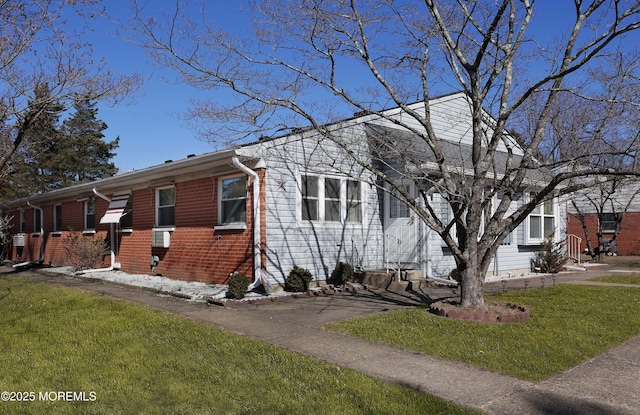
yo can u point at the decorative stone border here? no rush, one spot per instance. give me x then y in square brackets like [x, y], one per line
[328, 290]
[495, 314]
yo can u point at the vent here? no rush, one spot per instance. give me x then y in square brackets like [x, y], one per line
[18, 240]
[160, 239]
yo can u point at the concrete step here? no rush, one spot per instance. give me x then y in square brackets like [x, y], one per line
[398, 286]
[389, 281]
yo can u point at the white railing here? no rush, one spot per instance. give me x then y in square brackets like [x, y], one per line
[574, 247]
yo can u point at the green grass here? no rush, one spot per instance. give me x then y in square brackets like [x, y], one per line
[619, 279]
[138, 360]
[569, 324]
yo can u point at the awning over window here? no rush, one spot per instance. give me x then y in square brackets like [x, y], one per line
[116, 208]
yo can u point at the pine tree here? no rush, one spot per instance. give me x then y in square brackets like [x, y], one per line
[33, 167]
[86, 156]
[55, 154]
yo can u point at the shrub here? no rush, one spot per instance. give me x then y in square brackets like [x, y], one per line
[238, 284]
[342, 273]
[298, 280]
[552, 258]
[5, 236]
[84, 252]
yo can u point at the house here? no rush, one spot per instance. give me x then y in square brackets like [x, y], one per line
[613, 209]
[264, 207]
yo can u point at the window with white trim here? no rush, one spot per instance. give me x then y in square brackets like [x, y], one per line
[57, 218]
[165, 206]
[233, 200]
[354, 201]
[37, 221]
[23, 222]
[310, 197]
[398, 208]
[90, 214]
[126, 220]
[541, 222]
[330, 199]
[610, 222]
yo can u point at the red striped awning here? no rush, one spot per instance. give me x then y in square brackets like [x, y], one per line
[116, 208]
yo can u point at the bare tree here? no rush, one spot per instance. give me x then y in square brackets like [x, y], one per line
[41, 43]
[609, 202]
[310, 62]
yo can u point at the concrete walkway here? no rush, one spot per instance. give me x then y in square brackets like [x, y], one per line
[607, 384]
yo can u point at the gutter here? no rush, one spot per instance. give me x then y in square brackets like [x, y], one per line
[257, 251]
[111, 237]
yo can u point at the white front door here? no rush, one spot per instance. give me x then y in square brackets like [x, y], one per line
[401, 241]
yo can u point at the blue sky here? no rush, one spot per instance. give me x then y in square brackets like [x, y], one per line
[150, 129]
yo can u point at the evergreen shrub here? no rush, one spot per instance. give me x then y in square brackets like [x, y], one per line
[238, 284]
[342, 273]
[552, 257]
[298, 280]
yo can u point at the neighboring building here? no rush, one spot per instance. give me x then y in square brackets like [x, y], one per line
[264, 207]
[613, 210]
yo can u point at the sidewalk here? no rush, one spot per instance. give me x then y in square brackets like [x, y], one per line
[607, 384]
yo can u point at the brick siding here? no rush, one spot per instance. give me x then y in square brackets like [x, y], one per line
[197, 251]
[628, 240]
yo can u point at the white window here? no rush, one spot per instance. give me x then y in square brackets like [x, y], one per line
[233, 200]
[610, 222]
[37, 221]
[541, 222]
[90, 214]
[398, 208]
[126, 220]
[57, 218]
[23, 222]
[354, 201]
[165, 206]
[310, 197]
[330, 199]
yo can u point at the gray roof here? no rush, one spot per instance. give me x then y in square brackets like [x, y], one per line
[405, 147]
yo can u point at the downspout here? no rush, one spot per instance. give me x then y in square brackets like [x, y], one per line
[111, 237]
[257, 252]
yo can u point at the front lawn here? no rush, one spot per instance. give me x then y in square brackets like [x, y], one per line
[619, 279]
[111, 357]
[569, 324]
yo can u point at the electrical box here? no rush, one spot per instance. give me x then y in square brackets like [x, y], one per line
[18, 240]
[160, 239]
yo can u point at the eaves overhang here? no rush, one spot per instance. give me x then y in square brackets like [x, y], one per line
[192, 167]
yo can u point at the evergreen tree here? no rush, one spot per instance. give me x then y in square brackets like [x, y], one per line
[54, 154]
[85, 155]
[33, 169]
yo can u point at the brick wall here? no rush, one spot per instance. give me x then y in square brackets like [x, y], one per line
[628, 240]
[197, 251]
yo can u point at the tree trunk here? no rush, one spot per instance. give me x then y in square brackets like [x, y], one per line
[472, 287]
